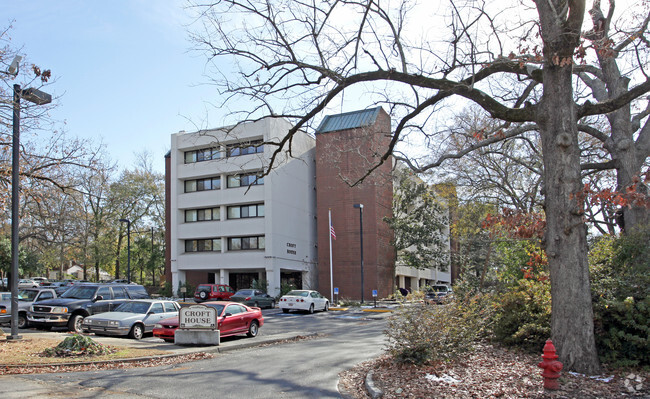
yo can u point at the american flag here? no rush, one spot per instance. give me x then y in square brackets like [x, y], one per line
[332, 233]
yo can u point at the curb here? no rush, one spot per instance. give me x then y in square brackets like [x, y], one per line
[373, 391]
[378, 310]
[199, 349]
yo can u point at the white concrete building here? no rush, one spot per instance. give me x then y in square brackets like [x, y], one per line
[229, 224]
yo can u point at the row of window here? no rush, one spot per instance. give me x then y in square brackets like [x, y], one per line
[214, 183]
[234, 244]
[233, 212]
[232, 150]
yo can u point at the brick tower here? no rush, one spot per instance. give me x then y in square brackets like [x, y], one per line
[347, 146]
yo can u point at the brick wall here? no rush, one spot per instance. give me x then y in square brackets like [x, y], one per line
[342, 158]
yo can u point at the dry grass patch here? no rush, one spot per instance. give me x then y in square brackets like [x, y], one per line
[28, 351]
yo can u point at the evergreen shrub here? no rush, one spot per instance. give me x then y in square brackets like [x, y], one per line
[620, 284]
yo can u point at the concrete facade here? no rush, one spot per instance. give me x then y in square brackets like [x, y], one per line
[276, 243]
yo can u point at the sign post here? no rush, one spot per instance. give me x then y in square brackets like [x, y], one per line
[336, 292]
[374, 296]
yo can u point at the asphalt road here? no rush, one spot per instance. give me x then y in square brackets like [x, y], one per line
[299, 369]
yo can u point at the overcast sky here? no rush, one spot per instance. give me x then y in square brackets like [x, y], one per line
[122, 70]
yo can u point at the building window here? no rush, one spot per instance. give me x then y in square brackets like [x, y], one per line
[252, 147]
[203, 245]
[248, 179]
[245, 243]
[245, 211]
[201, 215]
[210, 183]
[204, 154]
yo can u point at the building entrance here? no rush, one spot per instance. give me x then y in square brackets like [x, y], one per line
[241, 281]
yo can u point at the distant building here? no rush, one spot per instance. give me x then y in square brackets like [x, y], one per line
[229, 223]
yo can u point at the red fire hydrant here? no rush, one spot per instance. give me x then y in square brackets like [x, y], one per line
[551, 366]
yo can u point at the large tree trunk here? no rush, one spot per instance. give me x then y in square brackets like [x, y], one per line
[566, 235]
[572, 327]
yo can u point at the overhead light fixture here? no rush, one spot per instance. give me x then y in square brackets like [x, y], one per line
[13, 68]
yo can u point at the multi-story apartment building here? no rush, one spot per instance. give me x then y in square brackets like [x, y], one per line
[230, 222]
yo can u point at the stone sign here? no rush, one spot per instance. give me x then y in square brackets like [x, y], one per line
[199, 317]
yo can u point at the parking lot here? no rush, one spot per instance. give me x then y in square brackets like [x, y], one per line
[278, 326]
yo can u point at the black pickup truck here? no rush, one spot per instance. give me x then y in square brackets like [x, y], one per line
[82, 300]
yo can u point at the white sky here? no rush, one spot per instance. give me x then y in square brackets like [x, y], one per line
[122, 70]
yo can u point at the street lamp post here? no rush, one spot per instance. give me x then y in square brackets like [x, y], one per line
[360, 206]
[39, 98]
[128, 249]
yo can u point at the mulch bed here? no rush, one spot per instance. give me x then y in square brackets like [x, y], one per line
[489, 372]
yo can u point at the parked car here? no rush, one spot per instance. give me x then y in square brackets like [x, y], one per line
[232, 319]
[254, 298]
[82, 300]
[27, 283]
[211, 292]
[305, 300]
[438, 294]
[26, 297]
[40, 280]
[132, 318]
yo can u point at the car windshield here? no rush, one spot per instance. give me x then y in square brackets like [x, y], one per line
[204, 288]
[218, 307]
[298, 293]
[25, 295]
[439, 288]
[244, 293]
[134, 307]
[79, 292]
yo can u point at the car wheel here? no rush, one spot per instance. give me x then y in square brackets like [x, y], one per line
[253, 329]
[311, 308]
[203, 295]
[22, 321]
[326, 307]
[169, 340]
[74, 324]
[272, 305]
[136, 331]
[285, 310]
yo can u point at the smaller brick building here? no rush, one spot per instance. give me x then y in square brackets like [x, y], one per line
[348, 146]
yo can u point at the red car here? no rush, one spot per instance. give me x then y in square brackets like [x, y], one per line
[212, 292]
[232, 319]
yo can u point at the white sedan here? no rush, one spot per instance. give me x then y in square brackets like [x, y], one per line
[305, 300]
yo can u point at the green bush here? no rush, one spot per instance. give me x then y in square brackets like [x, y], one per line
[424, 333]
[189, 290]
[523, 314]
[284, 288]
[620, 284]
[261, 284]
[166, 290]
[623, 332]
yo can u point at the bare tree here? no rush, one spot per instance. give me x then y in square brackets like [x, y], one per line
[296, 59]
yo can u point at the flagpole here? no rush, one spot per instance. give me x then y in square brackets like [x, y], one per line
[329, 233]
